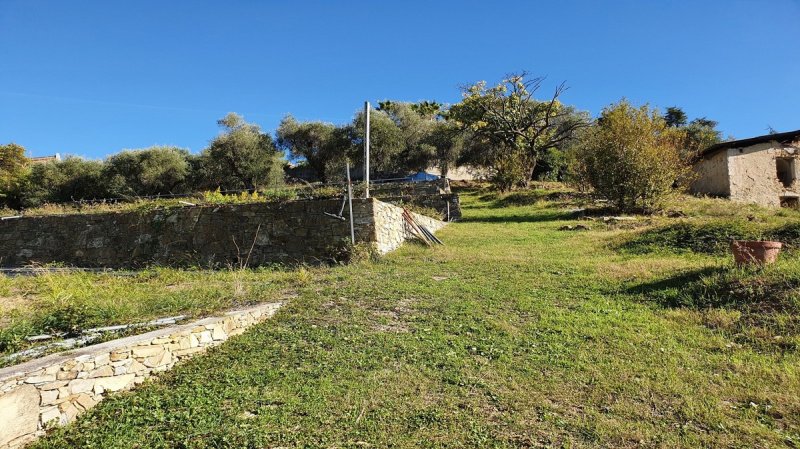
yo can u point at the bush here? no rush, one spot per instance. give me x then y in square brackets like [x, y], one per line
[631, 158]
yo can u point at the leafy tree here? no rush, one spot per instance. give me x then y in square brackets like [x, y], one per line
[386, 142]
[72, 179]
[430, 110]
[151, 171]
[316, 142]
[13, 168]
[700, 133]
[631, 157]
[675, 117]
[241, 157]
[510, 130]
[446, 139]
[415, 121]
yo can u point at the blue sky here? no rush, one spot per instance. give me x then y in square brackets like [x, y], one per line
[94, 77]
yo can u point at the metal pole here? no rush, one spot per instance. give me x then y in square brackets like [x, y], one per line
[350, 203]
[366, 149]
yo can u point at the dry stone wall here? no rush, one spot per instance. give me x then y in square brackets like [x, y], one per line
[392, 229]
[207, 236]
[54, 390]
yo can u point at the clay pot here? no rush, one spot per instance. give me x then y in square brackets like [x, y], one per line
[759, 252]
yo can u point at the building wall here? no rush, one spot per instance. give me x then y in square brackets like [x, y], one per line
[462, 173]
[754, 175]
[711, 176]
[748, 174]
[207, 236]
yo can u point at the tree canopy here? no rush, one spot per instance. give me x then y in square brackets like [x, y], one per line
[509, 129]
[241, 157]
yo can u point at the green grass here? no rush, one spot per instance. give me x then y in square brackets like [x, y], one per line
[514, 334]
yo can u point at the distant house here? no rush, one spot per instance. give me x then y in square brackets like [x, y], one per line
[762, 170]
[44, 159]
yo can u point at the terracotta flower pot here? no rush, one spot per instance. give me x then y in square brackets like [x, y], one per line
[755, 251]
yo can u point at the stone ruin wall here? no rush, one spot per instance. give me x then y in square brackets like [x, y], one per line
[55, 389]
[711, 176]
[753, 174]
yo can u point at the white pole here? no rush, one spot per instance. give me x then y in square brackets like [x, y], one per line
[366, 149]
[350, 202]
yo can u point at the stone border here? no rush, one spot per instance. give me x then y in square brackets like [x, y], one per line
[53, 390]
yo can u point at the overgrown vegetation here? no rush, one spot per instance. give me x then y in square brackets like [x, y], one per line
[67, 302]
[514, 334]
[241, 157]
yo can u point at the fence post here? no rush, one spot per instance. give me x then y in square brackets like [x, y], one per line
[350, 203]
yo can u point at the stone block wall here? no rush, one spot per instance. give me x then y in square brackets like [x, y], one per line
[754, 176]
[55, 389]
[392, 229]
[207, 236]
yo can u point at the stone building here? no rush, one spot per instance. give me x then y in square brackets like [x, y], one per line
[762, 170]
[45, 159]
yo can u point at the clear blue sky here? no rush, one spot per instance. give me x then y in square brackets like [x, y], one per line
[94, 77]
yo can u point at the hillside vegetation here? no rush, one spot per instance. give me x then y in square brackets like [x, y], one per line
[518, 333]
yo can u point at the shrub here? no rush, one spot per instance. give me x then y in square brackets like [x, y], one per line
[630, 157]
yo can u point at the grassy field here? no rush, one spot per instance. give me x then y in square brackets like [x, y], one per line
[515, 334]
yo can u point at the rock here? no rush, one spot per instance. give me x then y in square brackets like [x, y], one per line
[104, 371]
[119, 355]
[101, 360]
[205, 337]
[189, 351]
[115, 383]
[66, 375]
[19, 413]
[218, 333]
[69, 412]
[49, 415]
[81, 385]
[158, 360]
[49, 397]
[41, 379]
[147, 351]
[53, 385]
[84, 401]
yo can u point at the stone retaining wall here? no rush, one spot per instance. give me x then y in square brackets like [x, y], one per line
[207, 236]
[55, 389]
[392, 229]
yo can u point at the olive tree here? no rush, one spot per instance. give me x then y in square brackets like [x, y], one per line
[316, 142]
[150, 171]
[241, 157]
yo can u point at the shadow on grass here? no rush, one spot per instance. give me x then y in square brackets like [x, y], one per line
[539, 217]
[671, 291]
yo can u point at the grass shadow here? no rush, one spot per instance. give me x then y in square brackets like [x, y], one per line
[539, 217]
[668, 291]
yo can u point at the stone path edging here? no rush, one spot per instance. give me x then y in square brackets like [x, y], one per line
[53, 390]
